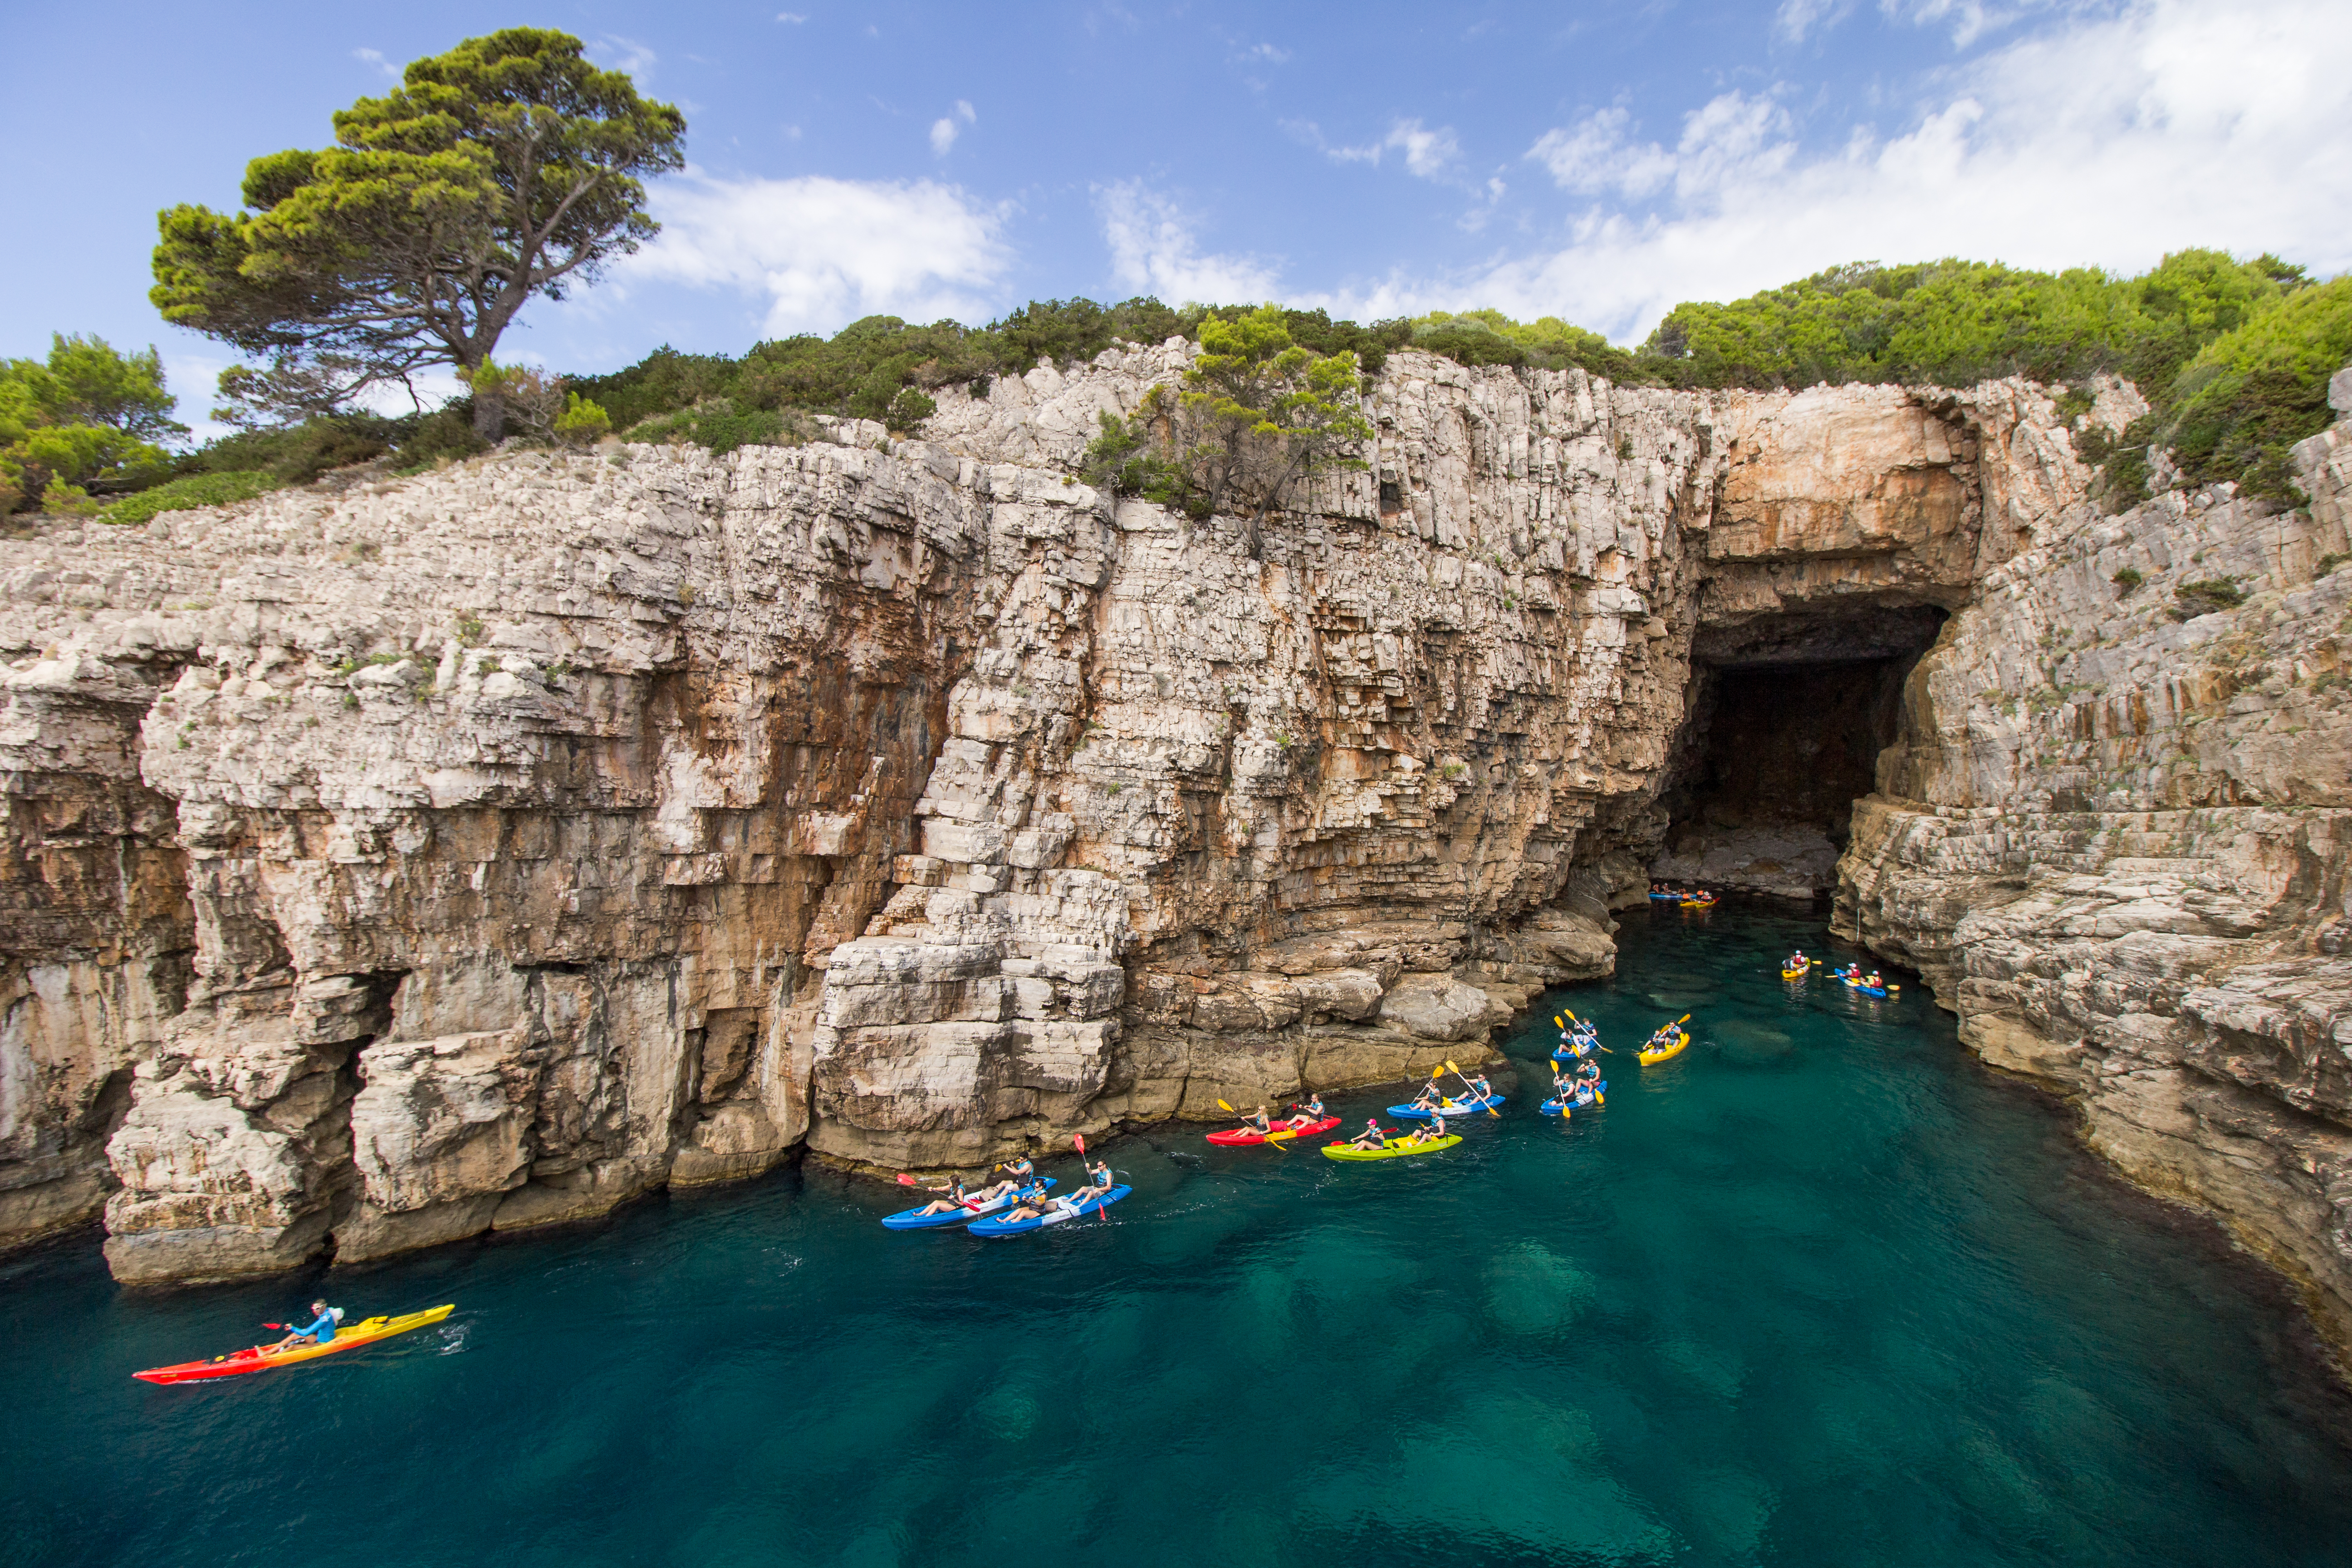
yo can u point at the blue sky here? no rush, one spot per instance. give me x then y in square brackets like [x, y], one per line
[1595, 161]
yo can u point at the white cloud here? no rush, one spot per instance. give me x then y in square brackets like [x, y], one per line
[1153, 251]
[944, 130]
[1797, 17]
[2106, 140]
[1431, 154]
[824, 251]
[790, 18]
[1733, 139]
[628, 57]
[375, 58]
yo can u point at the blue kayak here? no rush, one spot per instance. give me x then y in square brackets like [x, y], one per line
[916, 1219]
[1062, 1209]
[1451, 1108]
[1568, 1050]
[1552, 1107]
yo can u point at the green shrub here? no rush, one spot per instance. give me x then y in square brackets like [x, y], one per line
[2207, 594]
[909, 409]
[717, 423]
[1954, 322]
[2128, 582]
[582, 422]
[297, 453]
[2251, 393]
[189, 491]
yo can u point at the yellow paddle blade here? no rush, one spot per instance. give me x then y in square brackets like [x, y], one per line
[1452, 1068]
[1223, 1106]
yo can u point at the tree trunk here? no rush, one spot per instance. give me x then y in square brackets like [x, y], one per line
[490, 414]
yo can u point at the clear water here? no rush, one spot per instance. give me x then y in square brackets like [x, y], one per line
[1821, 1291]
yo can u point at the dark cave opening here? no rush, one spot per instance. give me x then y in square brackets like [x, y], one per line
[1787, 715]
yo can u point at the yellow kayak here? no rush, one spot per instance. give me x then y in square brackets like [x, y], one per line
[1649, 1057]
[1796, 974]
[1397, 1151]
[259, 1359]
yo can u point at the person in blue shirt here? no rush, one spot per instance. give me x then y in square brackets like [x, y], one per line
[1309, 1113]
[1017, 1171]
[1098, 1180]
[1373, 1136]
[319, 1331]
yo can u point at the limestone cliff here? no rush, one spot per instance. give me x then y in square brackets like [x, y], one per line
[401, 858]
[2115, 837]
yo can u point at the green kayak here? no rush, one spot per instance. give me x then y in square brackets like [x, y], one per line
[1393, 1151]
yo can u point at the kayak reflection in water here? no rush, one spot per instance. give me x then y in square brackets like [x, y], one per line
[1373, 1136]
[321, 1332]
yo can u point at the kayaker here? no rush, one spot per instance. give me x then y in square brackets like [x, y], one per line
[1373, 1137]
[1587, 1071]
[319, 1331]
[1480, 1089]
[1258, 1121]
[1429, 1132]
[956, 1197]
[1309, 1114]
[1099, 1179]
[1428, 1098]
[1032, 1205]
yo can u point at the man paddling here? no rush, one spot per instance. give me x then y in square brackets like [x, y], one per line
[1309, 1114]
[321, 1332]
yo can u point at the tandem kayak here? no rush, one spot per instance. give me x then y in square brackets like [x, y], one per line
[1241, 1135]
[259, 1358]
[1552, 1107]
[1650, 1056]
[1064, 1208]
[1796, 974]
[1867, 990]
[1577, 1046]
[1396, 1150]
[973, 1209]
[1450, 1108]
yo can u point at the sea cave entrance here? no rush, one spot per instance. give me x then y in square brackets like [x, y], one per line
[1786, 717]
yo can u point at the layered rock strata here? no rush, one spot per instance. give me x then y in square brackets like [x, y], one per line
[2114, 837]
[401, 858]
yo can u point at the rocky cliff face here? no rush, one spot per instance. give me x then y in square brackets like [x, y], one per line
[398, 859]
[2113, 835]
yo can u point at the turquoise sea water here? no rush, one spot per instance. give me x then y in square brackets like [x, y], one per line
[1820, 1291]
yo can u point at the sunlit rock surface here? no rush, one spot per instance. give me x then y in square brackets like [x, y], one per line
[399, 858]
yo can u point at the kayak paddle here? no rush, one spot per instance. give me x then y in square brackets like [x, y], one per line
[1466, 1090]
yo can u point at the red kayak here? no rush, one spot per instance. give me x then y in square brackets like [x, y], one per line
[1280, 1134]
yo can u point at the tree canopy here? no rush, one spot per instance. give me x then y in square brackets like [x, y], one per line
[508, 168]
[89, 416]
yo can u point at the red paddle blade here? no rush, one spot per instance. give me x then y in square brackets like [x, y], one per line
[1081, 1142]
[904, 1180]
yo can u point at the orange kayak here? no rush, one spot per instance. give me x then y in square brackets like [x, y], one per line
[259, 1358]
